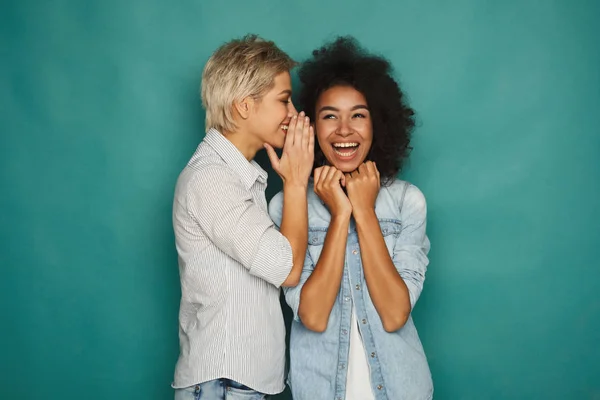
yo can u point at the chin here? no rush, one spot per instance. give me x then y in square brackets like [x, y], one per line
[348, 169]
[275, 141]
[345, 167]
[278, 144]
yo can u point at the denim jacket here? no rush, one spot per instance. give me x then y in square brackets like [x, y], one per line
[318, 361]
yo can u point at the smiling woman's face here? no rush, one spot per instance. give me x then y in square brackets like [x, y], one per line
[343, 127]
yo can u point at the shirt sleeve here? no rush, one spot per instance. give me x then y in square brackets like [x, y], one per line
[226, 212]
[292, 294]
[412, 245]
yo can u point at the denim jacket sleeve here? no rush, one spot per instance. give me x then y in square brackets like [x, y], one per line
[292, 294]
[412, 245]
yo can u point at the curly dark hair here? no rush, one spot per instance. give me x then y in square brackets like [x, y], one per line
[344, 62]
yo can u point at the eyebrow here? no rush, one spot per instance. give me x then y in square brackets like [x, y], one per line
[356, 107]
[287, 91]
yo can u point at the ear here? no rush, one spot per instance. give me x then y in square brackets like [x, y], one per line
[244, 107]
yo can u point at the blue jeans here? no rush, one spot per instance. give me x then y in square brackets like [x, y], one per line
[218, 389]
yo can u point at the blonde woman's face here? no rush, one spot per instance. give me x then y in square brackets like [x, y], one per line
[273, 111]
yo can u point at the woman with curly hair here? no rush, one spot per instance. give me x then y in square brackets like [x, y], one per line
[352, 335]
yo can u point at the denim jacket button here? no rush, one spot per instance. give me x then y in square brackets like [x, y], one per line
[379, 387]
[364, 321]
[355, 252]
[357, 287]
[373, 355]
[347, 298]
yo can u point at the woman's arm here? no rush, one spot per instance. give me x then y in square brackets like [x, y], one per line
[322, 287]
[387, 289]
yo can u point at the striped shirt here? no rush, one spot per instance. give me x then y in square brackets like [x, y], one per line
[232, 261]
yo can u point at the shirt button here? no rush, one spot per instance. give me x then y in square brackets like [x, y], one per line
[379, 387]
[357, 287]
[342, 366]
[364, 321]
[373, 355]
[355, 252]
[344, 331]
[347, 298]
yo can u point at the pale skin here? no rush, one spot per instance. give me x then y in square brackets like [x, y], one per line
[260, 125]
[294, 169]
[361, 179]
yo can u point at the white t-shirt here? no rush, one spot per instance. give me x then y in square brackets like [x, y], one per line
[358, 380]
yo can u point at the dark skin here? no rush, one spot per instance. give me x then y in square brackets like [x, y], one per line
[387, 289]
[343, 117]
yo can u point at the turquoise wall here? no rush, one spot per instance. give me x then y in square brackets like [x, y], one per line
[100, 111]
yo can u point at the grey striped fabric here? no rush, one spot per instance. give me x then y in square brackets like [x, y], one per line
[232, 261]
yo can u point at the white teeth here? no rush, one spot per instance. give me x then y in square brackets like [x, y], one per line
[284, 127]
[345, 154]
[345, 145]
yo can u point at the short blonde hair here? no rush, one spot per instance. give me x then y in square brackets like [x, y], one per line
[238, 69]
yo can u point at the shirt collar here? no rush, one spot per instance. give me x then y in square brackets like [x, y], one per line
[249, 171]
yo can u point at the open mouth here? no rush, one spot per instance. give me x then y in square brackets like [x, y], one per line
[284, 128]
[345, 150]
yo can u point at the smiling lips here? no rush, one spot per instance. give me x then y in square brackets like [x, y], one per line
[345, 150]
[284, 128]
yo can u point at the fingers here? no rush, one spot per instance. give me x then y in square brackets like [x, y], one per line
[333, 177]
[317, 175]
[347, 179]
[298, 129]
[320, 175]
[364, 168]
[327, 177]
[371, 170]
[311, 139]
[289, 137]
[306, 129]
[272, 157]
[377, 172]
[368, 168]
[339, 178]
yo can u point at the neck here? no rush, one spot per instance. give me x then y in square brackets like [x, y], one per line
[244, 143]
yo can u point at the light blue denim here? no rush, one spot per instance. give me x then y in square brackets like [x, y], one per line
[397, 361]
[218, 389]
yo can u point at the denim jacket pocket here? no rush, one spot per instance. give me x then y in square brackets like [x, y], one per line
[390, 229]
[316, 238]
[390, 226]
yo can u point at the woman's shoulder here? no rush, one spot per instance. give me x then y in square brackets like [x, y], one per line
[276, 203]
[405, 195]
[276, 208]
[404, 188]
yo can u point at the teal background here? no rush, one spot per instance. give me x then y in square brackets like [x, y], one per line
[100, 111]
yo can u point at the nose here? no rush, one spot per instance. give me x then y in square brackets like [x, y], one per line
[291, 109]
[344, 128]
